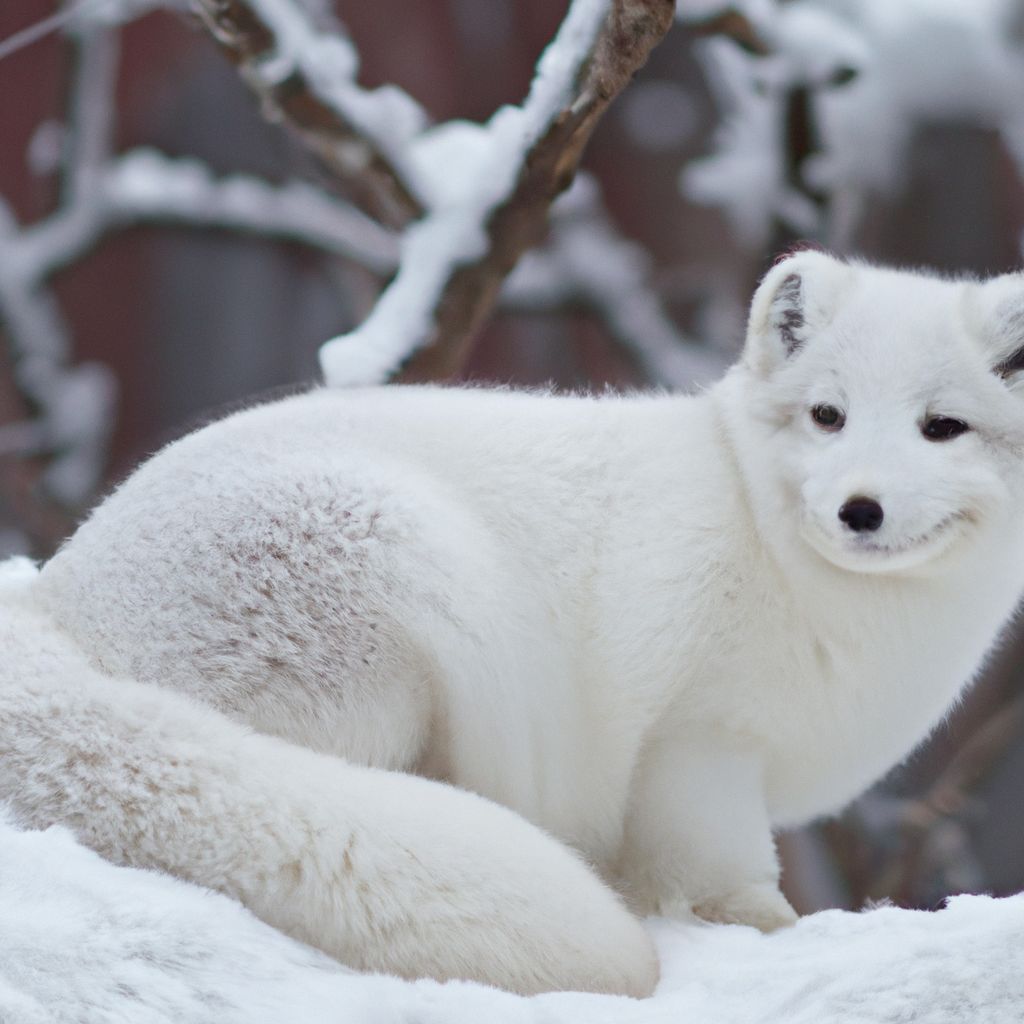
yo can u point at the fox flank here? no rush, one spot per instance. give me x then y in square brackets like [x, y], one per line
[641, 632]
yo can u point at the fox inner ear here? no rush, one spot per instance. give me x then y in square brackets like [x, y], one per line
[787, 312]
[797, 296]
[996, 315]
[1010, 366]
[1010, 331]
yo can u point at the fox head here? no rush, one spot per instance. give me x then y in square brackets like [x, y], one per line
[886, 408]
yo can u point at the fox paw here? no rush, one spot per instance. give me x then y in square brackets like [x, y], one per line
[759, 905]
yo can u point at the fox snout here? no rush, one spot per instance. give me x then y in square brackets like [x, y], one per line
[861, 514]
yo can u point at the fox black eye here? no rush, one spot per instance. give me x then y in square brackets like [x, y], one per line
[828, 417]
[943, 428]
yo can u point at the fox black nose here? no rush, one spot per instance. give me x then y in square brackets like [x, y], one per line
[860, 513]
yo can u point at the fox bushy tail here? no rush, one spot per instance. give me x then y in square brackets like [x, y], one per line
[386, 872]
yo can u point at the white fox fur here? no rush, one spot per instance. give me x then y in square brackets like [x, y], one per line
[638, 622]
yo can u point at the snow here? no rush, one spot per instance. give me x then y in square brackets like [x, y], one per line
[930, 60]
[745, 173]
[143, 184]
[387, 116]
[85, 941]
[918, 61]
[818, 43]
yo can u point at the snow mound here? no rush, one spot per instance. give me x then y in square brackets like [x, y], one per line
[82, 940]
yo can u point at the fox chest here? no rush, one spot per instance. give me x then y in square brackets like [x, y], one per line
[831, 711]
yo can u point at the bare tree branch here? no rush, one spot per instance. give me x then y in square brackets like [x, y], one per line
[455, 259]
[904, 848]
[630, 31]
[950, 794]
[731, 23]
[306, 78]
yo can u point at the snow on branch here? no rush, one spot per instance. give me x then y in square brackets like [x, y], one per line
[305, 77]
[143, 186]
[488, 189]
[821, 100]
[479, 194]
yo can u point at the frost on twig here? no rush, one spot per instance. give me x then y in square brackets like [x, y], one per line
[491, 205]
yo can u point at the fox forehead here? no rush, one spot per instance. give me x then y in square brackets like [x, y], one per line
[895, 334]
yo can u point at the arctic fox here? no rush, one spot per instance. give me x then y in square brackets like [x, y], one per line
[656, 627]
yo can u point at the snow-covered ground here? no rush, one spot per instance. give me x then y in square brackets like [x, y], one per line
[84, 941]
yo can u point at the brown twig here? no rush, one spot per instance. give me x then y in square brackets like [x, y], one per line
[376, 185]
[950, 793]
[736, 26]
[631, 31]
[899, 877]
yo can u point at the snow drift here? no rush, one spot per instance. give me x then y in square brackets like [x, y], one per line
[82, 940]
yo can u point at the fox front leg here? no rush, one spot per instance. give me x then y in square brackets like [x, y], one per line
[698, 840]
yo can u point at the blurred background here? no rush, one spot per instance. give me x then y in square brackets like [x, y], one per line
[889, 130]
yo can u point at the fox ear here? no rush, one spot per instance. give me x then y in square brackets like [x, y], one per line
[797, 297]
[995, 316]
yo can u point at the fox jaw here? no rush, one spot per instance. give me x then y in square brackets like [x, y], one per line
[886, 409]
